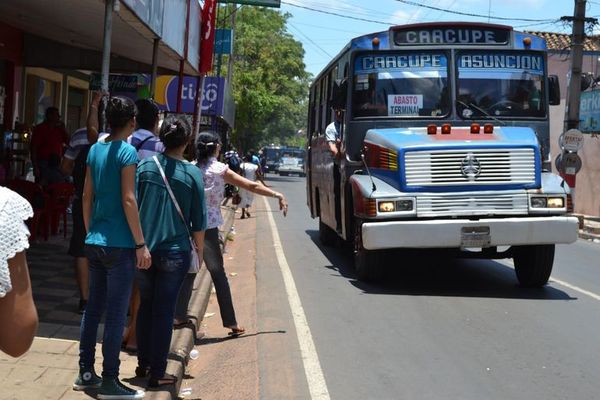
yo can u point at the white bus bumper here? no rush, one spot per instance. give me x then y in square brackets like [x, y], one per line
[449, 233]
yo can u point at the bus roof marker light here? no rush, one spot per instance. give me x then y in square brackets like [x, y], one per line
[527, 42]
[431, 129]
[446, 128]
[488, 128]
[475, 128]
[375, 42]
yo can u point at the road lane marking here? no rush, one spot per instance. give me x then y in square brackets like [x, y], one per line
[563, 283]
[576, 288]
[310, 359]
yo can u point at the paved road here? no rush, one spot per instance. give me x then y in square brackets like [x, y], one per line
[441, 329]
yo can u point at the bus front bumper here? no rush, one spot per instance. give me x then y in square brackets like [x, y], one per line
[457, 233]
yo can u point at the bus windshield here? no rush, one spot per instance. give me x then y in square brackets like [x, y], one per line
[401, 84]
[500, 84]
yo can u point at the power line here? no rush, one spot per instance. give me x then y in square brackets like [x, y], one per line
[414, 3]
[336, 14]
[310, 40]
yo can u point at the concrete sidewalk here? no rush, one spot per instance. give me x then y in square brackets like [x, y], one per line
[47, 371]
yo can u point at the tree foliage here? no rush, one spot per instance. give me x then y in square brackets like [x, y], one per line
[270, 83]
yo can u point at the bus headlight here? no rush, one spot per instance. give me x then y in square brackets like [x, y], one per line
[390, 206]
[539, 202]
[556, 202]
[387, 206]
[404, 205]
[547, 202]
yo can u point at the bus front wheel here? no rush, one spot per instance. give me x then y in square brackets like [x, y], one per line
[533, 264]
[368, 264]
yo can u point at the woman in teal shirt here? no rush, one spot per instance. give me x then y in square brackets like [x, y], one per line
[114, 247]
[168, 238]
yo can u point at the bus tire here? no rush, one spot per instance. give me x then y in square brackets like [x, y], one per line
[368, 264]
[533, 264]
[327, 236]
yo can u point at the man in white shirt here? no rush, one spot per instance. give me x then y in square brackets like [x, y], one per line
[333, 133]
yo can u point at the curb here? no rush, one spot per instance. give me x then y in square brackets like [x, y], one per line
[184, 339]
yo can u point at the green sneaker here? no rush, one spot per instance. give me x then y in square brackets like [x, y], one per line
[87, 379]
[113, 389]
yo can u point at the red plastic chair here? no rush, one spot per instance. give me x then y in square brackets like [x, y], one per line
[59, 199]
[36, 197]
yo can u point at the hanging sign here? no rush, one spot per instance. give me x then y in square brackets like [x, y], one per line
[569, 163]
[571, 140]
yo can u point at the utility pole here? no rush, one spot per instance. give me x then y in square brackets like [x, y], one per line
[573, 91]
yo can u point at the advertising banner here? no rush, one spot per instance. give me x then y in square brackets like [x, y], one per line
[207, 39]
[166, 94]
[589, 112]
[223, 40]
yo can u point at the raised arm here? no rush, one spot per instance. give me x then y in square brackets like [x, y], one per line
[92, 124]
[255, 187]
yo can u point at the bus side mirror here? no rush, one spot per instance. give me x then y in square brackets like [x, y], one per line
[340, 94]
[553, 90]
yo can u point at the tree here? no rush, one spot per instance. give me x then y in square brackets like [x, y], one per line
[270, 83]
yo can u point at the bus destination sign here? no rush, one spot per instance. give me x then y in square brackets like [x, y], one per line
[451, 35]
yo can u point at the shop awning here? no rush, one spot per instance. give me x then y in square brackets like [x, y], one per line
[77, 25]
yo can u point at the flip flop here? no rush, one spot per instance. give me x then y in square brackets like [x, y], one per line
[235, 332]
[166, 380]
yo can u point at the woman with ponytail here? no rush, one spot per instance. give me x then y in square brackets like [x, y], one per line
[115, 246]
[216, 174]
[167, 227]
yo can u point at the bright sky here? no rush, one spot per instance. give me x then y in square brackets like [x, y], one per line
[324, 34]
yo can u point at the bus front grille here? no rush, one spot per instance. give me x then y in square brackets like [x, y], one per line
[470, 167]
[472, 204]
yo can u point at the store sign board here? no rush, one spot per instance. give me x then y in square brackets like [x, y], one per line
[116, 83]
[263, 3]
[589, 112]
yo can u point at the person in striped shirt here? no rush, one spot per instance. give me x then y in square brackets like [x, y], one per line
[144, 139]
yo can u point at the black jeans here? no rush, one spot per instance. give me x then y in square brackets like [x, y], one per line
[213, 259]
[159, 286]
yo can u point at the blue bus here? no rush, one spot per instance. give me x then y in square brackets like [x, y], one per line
[443, 143]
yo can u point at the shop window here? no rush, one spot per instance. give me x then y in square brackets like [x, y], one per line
[40, 94]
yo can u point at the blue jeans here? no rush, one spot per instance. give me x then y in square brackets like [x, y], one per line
[159, 286]
[111, 276]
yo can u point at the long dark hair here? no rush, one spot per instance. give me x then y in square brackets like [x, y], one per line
[119, 111]
[206, 145]
[175, 131]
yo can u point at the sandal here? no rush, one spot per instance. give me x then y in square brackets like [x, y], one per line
[166, 380]
[237, 331]
[184, 324]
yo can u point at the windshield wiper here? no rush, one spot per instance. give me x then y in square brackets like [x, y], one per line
[481, 110]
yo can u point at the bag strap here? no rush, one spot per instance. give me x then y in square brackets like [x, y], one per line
[139, 145]
[175, 203]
